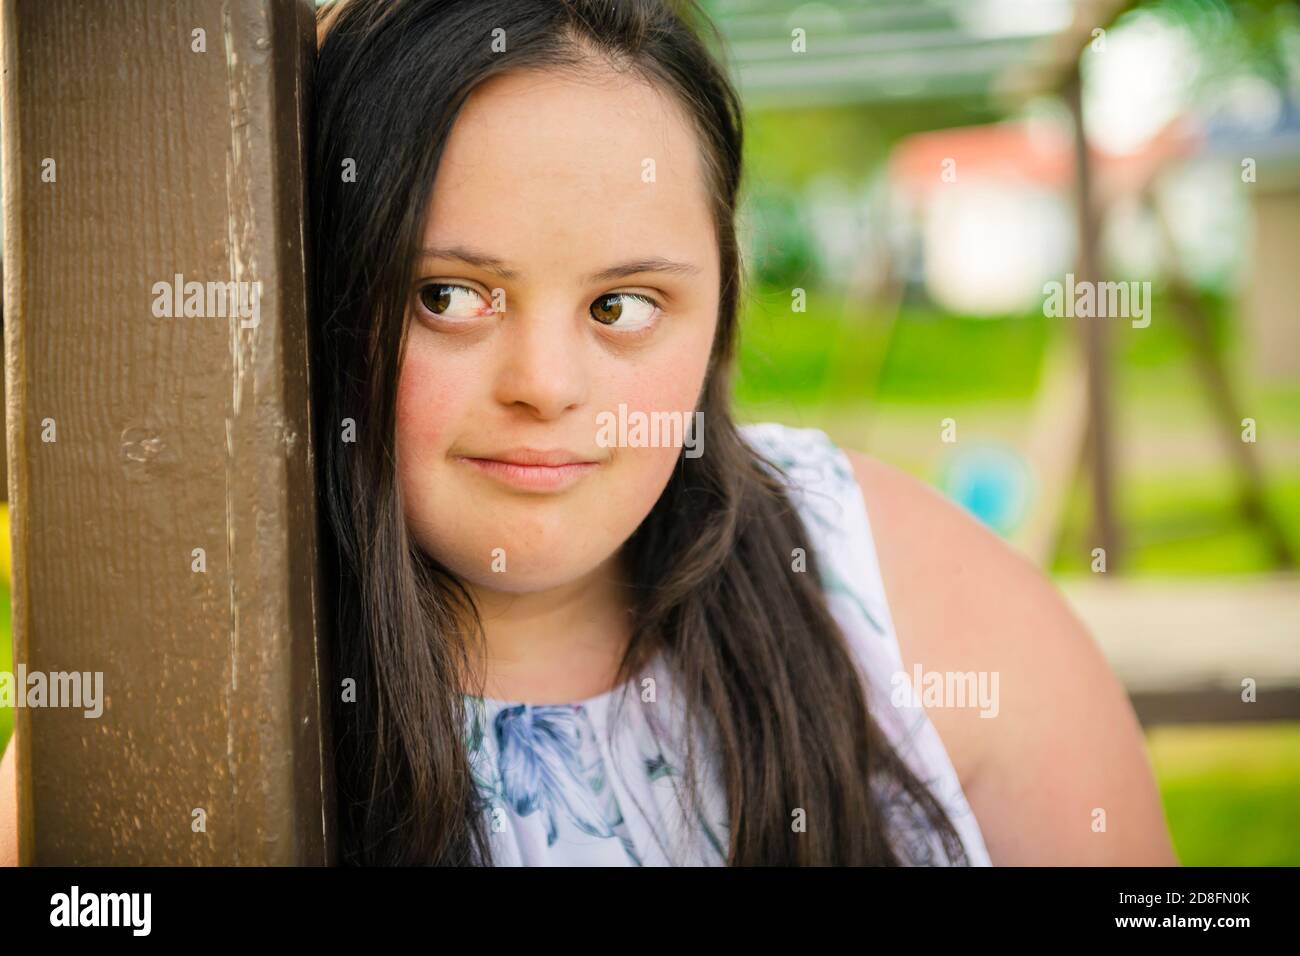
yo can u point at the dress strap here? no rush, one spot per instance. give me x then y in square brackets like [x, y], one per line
[824, 490]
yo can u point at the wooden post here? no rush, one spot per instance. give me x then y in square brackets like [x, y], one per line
[1100, 456]
[164, 527]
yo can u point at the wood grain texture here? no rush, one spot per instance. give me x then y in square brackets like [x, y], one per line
[171, 433]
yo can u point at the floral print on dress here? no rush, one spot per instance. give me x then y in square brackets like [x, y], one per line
[547, 764]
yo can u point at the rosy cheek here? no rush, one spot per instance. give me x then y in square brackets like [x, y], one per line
[669, 384]
[425, 405]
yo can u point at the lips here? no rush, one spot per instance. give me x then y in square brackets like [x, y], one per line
[533, 469]
[535, 457]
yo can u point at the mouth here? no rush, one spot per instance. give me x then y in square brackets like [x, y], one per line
[531, 469]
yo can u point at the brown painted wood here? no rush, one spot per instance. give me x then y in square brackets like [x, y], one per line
[171, 434]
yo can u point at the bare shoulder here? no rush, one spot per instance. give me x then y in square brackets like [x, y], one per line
[1061, 753]
[9, 804]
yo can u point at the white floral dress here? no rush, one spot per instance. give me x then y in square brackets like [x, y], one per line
[558, 790]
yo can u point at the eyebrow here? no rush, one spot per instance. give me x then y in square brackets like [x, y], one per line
[489, 263]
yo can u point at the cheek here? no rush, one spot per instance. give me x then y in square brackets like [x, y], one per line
[669, 381]
[433, 402]
[429, 401]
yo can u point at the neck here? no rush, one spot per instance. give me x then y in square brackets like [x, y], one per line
[555, 646]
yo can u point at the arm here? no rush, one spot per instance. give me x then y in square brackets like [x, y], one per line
[9, 804]
[1065, 742]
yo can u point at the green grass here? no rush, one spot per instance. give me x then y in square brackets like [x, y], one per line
[1182, 524]
[837, 351]
[1231, 793]
[797, 356]
[832, 353]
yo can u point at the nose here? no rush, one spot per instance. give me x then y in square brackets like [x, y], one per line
[544, 365]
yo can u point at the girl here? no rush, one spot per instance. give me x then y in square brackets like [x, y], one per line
[672, 646]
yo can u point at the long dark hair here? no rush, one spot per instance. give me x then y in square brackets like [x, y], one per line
[753, 646]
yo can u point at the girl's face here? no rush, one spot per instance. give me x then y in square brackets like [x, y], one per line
[579, 210]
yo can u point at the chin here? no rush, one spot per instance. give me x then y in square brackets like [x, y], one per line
[519, 551]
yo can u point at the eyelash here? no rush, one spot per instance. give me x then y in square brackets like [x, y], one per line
[640, 297]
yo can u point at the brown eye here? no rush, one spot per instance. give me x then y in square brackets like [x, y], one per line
[607, 309]
[436, 298]
[627, 310]
[451, 301]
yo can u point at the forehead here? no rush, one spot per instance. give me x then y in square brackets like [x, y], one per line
[543, 165]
